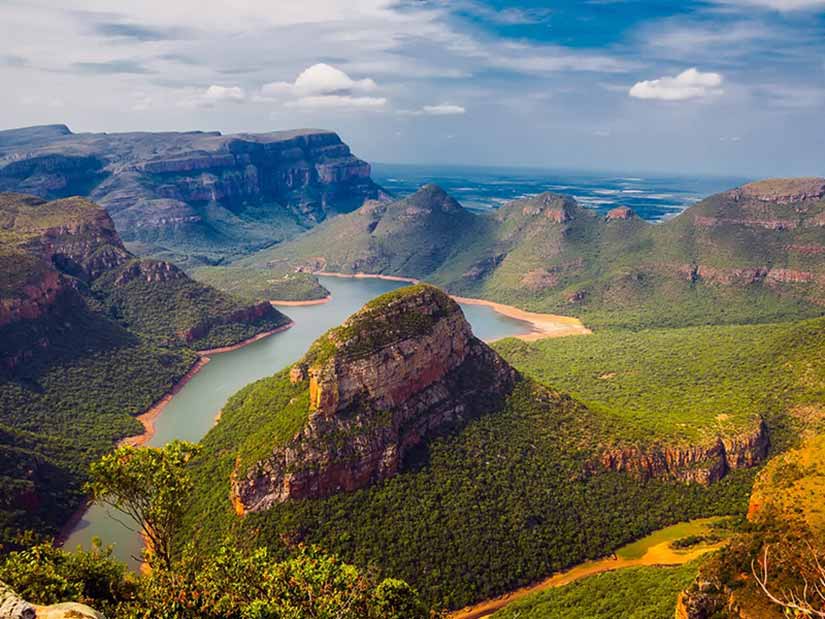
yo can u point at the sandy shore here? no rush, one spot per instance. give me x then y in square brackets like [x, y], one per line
[276, 302]
[246, 342]
[542, 325]
[389, 278]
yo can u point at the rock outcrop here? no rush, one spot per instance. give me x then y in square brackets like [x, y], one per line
[193, 192]
[404, 368]
[14, 607]
[704, 463]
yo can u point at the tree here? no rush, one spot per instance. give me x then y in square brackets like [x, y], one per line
[810, 602]
[150, 487]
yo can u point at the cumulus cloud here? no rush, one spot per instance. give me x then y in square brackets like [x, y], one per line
[689, 84]
[323, 86]
[224, 93]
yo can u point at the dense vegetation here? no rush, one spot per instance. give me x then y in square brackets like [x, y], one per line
[100, 337]
[709, 265]
[149, 485]
[683, 384]
[633, 593]
[60, 412]
[499, 504]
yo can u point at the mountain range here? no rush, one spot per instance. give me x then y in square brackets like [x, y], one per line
[751, 254]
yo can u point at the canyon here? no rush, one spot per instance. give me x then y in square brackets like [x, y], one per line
[193, 196]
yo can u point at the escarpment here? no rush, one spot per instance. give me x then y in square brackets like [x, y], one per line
[403, 369]
[202, 196]
[703, 463]
[64, 265]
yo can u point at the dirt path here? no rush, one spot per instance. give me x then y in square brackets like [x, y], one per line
[659, 553]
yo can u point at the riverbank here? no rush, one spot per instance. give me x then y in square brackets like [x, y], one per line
[542, 325]
[148, 417]
[276, 302]
[656, 551]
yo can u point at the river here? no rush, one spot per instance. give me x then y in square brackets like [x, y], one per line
[192, 411]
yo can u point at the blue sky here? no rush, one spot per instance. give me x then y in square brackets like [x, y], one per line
[719, 86]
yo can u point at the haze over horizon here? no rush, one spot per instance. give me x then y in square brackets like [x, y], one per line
[728, 87]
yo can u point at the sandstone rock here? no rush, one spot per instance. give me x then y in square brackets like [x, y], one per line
[703, 463]
[620, 213]
[67, 610]
[397, 372]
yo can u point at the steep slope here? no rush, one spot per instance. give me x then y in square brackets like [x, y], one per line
[404, 443]
[413, 236]
[192, 196]
[752, 254]
[89, 336]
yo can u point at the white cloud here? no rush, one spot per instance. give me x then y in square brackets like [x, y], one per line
[319, 80]
[442, 109]
[690, 84]
[323, 86]
[224, 93]
[777, 5]
[338, 101]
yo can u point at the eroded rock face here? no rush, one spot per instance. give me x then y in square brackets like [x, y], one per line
[620, 213]
[157, 186]
[391, 376]
[704, 463]
[784, 190]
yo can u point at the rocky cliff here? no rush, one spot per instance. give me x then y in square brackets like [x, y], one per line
[198, 195]
[702, 463]
[63, 259]
[404, 368]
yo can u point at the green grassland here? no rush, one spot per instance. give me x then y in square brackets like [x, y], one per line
[262, 283]
[679, 385]
[633, 593]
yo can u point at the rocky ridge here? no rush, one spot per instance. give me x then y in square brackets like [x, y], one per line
[402, 369]
[62, 257]
[14, 607]
[704, 463]
[157, 186]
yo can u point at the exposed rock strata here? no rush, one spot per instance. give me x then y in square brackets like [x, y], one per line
[394, 374]
[157, 186]
[703, 463]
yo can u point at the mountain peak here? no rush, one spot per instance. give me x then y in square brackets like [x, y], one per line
[402, 369]
[433, 198]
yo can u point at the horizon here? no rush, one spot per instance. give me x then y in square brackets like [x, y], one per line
[728, 87]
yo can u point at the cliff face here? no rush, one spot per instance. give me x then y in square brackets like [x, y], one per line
[703, 463]
[62, 259]
[397, 372]
[196, 194]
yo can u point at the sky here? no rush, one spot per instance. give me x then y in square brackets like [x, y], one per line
[712, 87]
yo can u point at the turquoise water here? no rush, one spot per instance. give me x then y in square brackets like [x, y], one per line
[653, 196]
[192, 412]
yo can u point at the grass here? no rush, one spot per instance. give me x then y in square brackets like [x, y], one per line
[633, 593]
